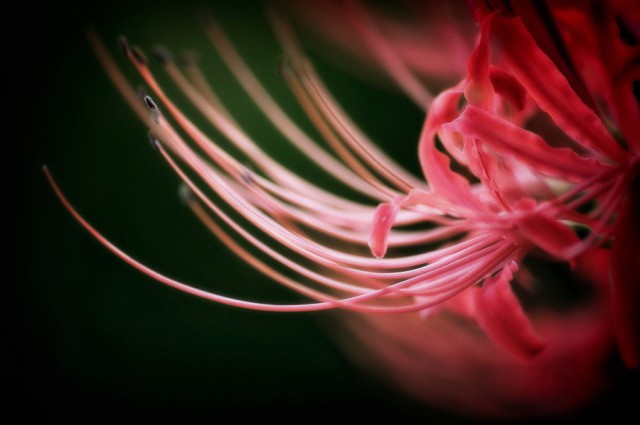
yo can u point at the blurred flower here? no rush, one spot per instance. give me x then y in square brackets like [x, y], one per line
[531, 165]
[421, 46]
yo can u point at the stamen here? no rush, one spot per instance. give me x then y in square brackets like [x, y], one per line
[189, 62]
[434, 287]
[116, 75]
[167, 280]
[155, 142]
[336, 117]
[137, 55]
[236, 135]
[162, 54]
[278, 117]
[122, 43]
[347, 303]
[150, 104]
[329, 135]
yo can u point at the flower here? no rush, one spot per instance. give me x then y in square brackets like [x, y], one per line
[441, 280]
[590, 94]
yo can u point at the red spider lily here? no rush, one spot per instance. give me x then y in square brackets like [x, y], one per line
[579, 64]
[531, 157]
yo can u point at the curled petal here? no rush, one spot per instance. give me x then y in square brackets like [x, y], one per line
[550, 89]
[383, 220]
[511, 140]
[436, 166]
[501, 316]
[509, 88]
[549, 234]
[479, 90]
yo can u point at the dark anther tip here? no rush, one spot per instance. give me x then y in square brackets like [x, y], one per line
[247, 177]
[162, 54]
[155, 142]
[150, 103]
[284, 66]
[186, 194]
[124, 45]
[138, 56]
[188, 58]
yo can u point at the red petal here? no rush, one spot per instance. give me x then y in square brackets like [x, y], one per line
[550, 89]
[541, 23]
[509, 88]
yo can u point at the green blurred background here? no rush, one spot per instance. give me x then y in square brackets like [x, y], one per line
[89, 339]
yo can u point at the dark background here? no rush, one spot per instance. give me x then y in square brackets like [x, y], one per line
[90, 340]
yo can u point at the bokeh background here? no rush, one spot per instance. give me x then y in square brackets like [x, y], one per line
[90, 340]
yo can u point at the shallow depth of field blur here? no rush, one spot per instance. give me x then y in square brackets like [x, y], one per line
[91, 339]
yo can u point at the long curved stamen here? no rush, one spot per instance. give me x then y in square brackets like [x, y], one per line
[336, 117]
[314, 92]
[119, 80]
[174, 107]
[222, 119]
[322, 254]
[458, 268]
[421, 282]
[165, 132]
[203, 87]
[277, 116]
[327, 131]
[487, 266]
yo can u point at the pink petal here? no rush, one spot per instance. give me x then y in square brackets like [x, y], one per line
[548, 234]
[502, 318]
[511, 140]
[479, 90]
[383, 220]
[436, 165]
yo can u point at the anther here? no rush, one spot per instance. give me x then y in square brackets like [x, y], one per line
[186, 194]
[138, 56]
[150, 104]
[284, 66]
[153, 108]
[155, 142]
[162, 54]
[188, 58]
[124, 45]
[247, 177]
